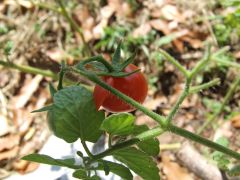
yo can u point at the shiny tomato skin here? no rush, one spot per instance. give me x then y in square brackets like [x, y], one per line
[134, 86]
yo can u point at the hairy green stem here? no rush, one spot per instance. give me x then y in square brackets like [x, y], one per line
[29, 69]
[99, 59]
[174, 62]
[86, 149]
[202, 63]
[207, 85]
[179, 101]
[225, 101]
[227, 63]
[61, 75]
[74, 26]
[141, 137]
[204, 141]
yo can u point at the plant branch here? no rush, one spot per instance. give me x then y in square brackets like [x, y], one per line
[86, 149]
[204, 141]
[207, 85]
[174, 62]
[179, 101]
[141, 137]
[225, 101]
[29, 69]
[202, 63]
[74, 26]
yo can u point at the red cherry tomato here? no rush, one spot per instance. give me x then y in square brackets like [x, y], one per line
[134, 86]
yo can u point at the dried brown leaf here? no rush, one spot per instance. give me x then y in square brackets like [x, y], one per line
[170, 12]
[160, 25]
[9, 154]
[55, 54]
[29, 87]
[236, 121]
[4, 126]
[9, 142]
[142, 30]
[23, 166]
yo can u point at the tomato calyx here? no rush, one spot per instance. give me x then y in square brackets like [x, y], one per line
[101, 67]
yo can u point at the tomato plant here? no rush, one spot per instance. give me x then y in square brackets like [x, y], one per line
[74, 115]
[134, 86]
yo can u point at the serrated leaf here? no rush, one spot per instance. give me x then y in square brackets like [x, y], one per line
[45, 108]
[150, 146]
[116, 168]
[139, 162]
[44, 159]
[74, 115]
[119, 124]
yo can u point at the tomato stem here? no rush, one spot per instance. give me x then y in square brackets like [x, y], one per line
[61, 75]
[204, 141]
[202, 63]
[179, 101]
[226, 99]
[196, 89]
[86, 149]
[174, 62]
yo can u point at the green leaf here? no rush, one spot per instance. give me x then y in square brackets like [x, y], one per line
[117, 55]
[150, 146]
[52, 89]
[45, 108]
[223, 141]
[8, 47]
[139, 162]
[116, 168]
[118, 124]
[234, 171]
[74, 115]
[44, 159]
[80, 174]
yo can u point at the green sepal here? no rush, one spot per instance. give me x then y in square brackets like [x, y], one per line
[117, 56]
[52, 89]
[45, 108]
